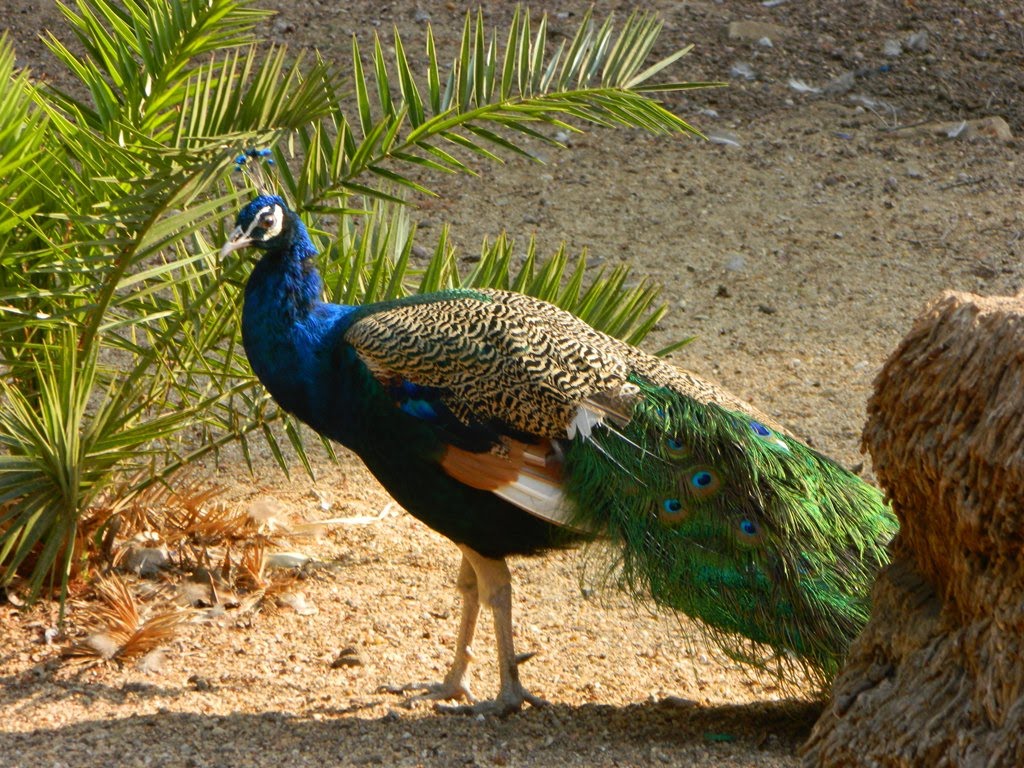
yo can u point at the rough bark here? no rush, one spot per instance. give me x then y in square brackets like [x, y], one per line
[937, 677]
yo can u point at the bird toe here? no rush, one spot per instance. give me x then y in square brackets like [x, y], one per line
[507, 703]
[433, 691]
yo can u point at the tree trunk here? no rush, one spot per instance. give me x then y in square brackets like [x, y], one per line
[937, 677]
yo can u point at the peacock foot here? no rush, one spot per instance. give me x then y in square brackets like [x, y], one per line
[507, 703]
[443, 691]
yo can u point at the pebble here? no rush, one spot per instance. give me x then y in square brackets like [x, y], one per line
[892, 48]
[199, 683]
[735, 263]
[918, 41]
[743, 70]
[347, 657]
[841, 84]
[756, 30]
[990, 128]
[146, 561]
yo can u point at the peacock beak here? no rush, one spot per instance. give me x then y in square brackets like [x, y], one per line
[238, 239]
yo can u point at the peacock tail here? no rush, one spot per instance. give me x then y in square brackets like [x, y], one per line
[771, 545]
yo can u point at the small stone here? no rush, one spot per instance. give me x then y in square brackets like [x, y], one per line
[743, 70]
[736, 263]
[756, 30]
[918, 41]
[985, 128]
[842, 84]
[988, 128]
[200, 683]
[347, 657]
[892, 48]
[146, 561]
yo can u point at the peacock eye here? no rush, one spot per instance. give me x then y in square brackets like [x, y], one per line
[675, 448]
[759, 429]
[702, 479]
[673, 512]
[750, 531]
[701, 482]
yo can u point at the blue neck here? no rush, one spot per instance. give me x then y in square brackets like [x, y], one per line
[285, 325]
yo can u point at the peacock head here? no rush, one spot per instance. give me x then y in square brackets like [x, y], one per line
[268, 224]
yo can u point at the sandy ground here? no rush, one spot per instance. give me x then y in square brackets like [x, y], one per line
[797, 253]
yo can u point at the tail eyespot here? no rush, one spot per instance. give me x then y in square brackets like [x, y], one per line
[749, 531]
[676, 448]
[702, 482]
[768, 436]
[672, 512]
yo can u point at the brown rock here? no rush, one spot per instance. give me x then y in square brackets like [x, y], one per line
[973, 130]
[755, 30]
[937, 678]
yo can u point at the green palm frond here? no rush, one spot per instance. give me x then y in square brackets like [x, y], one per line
[485, 105]
[138, 53]
[373, 263]
[120, 351]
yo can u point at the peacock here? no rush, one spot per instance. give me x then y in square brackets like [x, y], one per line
[512, 427]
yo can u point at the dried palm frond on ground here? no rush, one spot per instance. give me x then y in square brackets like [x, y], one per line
[116, 627]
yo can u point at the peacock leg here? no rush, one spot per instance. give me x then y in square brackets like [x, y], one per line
[495, 589]
[455, 685]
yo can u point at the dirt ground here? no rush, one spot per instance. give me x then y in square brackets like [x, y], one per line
[797, 246]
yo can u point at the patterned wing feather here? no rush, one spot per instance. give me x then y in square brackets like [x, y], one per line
[497, 358]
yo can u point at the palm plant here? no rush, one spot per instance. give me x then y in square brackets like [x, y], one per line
[120, 360]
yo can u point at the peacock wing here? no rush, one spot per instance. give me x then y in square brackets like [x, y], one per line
[492, 357]
[498, 376]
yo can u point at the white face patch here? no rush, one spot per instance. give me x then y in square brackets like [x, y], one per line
[269, 221]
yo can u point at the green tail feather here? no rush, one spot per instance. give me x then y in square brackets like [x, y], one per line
[771, 545]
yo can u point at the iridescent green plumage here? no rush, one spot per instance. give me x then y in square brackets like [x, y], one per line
[733, 523]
